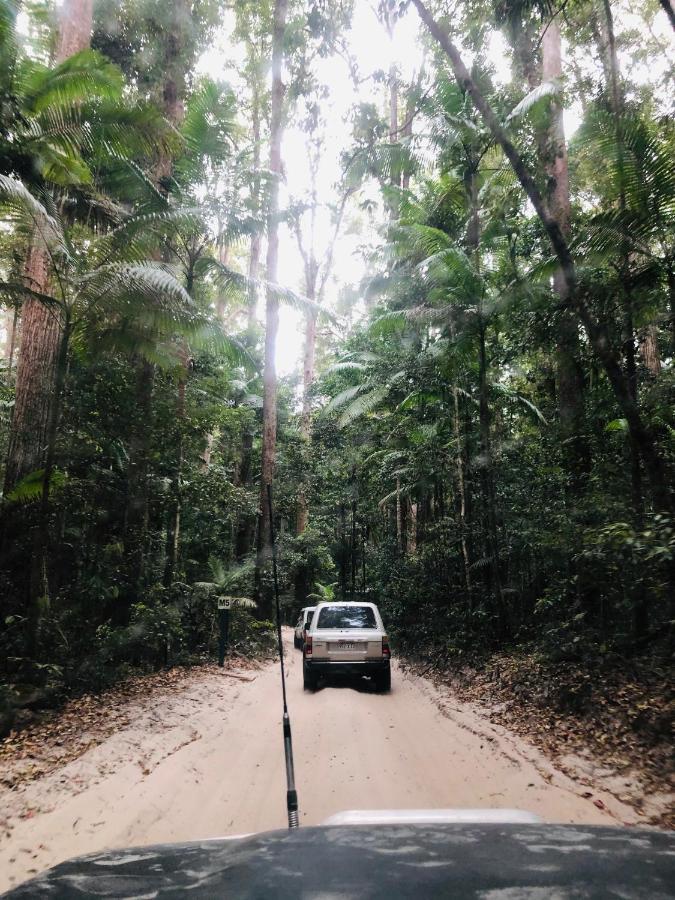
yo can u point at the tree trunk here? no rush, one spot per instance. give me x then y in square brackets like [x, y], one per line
[256, 240]
[246, 526]
[210, 443]
[395, 177]
[12, 321]
[638, 597]
[176, 504]
[461, 488]
[40, 325]
[407, 129]
[487, 477]
[316, 279]
[669, 9]
[40, 577]
[305, 418]
[411, 542]
[393, 111]
[524, 56]
[36, 369]
[136, 507]
[486, 462]
[596, 330]
[223, 258]
[137, 514]
[269, 435]
[671, 296]
[173, 528]
[649, 350]
[75, 19]
[608, 49]
[308, 373]
[568, 371]
[343, 556]
[352, 550]
[245, 529]
[399, 518]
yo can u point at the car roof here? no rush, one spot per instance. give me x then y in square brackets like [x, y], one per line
[346, 603]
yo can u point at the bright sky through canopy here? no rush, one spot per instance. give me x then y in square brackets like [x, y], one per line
[373, 53]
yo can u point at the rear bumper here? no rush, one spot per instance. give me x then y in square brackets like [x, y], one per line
[328, 667]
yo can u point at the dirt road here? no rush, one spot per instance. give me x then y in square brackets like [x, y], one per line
[208, 761]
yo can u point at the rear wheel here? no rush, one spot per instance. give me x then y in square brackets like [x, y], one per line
[383, 681]
[308, 679]
[296, 643]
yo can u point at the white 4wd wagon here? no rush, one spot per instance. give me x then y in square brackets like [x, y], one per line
[301, 626]
[346, 639]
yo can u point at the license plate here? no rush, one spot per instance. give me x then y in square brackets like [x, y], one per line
[346, 645]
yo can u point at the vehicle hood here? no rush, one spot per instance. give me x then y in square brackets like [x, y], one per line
[366, 862]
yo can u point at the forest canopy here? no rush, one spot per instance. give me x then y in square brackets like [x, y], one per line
[411, 263]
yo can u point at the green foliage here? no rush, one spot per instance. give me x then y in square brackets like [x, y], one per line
[324, 593]
[441, 473]
[31, 486]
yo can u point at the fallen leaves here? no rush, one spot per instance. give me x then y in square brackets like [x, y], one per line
[615, 714]
[62, 736]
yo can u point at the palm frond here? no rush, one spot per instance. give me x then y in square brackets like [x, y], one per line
[209, 333]
[421, 240]
[210, 125]
[346, 366]
[363, 404]
[81, 77]
[139, 233]
[519, 398]
[451, 267]
[543, 92]
[343, 397]
[233, 282]
[146, 291]
[29, 215]
[388, 323]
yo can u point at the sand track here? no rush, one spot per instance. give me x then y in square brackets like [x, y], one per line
[208, 761]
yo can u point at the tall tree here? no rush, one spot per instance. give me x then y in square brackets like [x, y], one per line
[180, 31]
[317, 270]
[40, 325]
[554, 150]
[597, 332]
[100, 279]
[252, 21]
[269, 434]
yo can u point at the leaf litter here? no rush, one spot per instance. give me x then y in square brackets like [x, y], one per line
[58, 737]
[607, 724]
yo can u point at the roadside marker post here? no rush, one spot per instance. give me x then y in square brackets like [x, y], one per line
[224, 628]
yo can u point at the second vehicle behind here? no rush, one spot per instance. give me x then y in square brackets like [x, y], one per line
[301, 625]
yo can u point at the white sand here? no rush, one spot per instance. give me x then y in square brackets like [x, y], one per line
[208, 761]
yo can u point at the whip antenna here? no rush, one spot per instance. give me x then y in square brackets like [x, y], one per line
[291, 793]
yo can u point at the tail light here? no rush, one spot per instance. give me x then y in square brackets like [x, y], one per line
[386, 652]
[308, 645]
